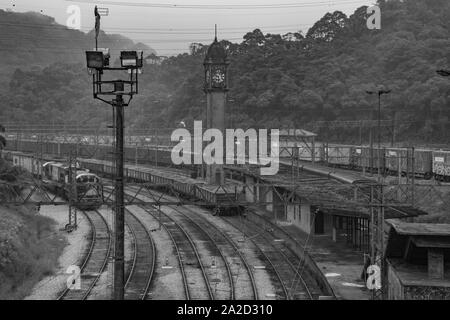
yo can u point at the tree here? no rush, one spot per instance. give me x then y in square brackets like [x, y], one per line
[329, 27]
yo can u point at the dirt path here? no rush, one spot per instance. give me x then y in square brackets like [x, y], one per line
[78, 241]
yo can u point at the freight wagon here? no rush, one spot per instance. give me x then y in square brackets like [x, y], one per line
[338, 155]
[369, 159]
[441, 165]
[400, 161]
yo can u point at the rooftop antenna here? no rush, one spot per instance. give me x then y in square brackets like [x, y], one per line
[215, 32]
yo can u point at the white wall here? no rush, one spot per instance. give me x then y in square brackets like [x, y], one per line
[300, 216]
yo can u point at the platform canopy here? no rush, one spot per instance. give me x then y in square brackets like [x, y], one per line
[298, 133]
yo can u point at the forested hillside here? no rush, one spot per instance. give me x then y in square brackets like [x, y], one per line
[283, 80]
[31, 39]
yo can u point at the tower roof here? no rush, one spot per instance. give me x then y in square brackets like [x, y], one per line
[216, 53]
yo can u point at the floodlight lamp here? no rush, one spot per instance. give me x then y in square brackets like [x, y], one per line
[106, 56]
[128, 58]
[94, 59]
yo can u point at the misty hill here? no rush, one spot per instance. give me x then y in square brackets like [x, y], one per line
[277, 80]
[31, 39]
[299, 78]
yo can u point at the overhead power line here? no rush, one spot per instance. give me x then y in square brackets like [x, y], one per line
[155, 30]
[220, 6]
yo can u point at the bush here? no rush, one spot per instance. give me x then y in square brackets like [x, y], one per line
[29, 251]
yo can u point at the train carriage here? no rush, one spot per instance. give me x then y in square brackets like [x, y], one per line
[369, 159]
[337, 155]
[423, 163]
[28, 162]
[441, 165]
[55, 176]
[400, 161]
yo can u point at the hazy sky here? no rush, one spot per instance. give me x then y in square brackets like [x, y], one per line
[169, 28]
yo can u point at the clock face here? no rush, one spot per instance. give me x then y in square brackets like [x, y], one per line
[218, 78]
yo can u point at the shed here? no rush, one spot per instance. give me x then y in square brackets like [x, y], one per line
[418, 260]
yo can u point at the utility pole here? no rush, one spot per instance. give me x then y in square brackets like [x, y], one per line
[379, 92]
[119, 240]
[377, 219]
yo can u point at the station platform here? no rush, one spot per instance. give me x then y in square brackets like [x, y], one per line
[343, 175]
[340, 264]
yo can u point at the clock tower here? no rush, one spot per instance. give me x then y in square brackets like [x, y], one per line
[216, 86]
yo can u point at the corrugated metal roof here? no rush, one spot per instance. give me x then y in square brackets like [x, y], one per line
[422, 229]
[297, 133]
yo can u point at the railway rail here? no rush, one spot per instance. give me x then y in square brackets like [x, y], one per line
[288, 266]
[144, 258]
[223, 241]
[223, 247]
[96, 259]
[196, 280]
[281, 260]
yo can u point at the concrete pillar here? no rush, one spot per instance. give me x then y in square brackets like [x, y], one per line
[290, 213]
[306, 219]
[334, 229]
[278, 206]
[435, 263]
[269, 199]
[250, 195]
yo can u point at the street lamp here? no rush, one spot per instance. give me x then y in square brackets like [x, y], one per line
[380, 93]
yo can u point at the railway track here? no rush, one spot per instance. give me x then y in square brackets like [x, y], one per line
[144, 258]
[95, 260]
[225, 244]
[196, 282]
[225, 247]
[286, 264]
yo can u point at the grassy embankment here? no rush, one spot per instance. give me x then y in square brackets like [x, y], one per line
[29, 245]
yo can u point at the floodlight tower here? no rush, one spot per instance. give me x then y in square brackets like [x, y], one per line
[98, 64]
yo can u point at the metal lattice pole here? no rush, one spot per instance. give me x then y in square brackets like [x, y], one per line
[119, 225]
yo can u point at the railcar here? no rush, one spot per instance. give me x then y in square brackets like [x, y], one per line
[401, 161]
[89, 187]
[369, 159]
[441, 165]
[338, 155]
[427, 162]
[55, 176]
